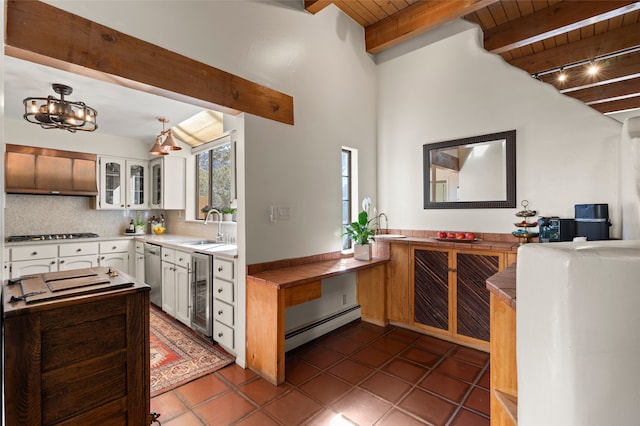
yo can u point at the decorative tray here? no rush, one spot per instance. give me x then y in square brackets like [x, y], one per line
[456, 240]
[524, 234]
[526, 225]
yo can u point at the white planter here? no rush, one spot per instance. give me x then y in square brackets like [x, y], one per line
[362, 251]
[227, 217]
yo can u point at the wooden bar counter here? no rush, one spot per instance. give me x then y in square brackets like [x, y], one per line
[270, 292]
[504, 378]
[80, 358]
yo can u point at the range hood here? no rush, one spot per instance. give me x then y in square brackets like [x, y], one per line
[33, 170]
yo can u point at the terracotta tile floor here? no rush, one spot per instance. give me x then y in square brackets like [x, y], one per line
[359, 374]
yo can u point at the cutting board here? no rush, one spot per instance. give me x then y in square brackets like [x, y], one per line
[64, 284]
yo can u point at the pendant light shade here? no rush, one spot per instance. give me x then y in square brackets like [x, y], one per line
[157, 149]
[169, 144]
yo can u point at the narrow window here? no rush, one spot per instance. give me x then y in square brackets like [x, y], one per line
[346, 195]
[213, 184]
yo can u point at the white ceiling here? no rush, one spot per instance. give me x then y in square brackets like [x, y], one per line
[121, 111]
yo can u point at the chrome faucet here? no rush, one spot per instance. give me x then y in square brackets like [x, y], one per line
[206, 220]
[386, 222]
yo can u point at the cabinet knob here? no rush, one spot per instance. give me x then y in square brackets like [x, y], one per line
[219, 268]
[113, 248]
[220, 312]
[220, 290]
[53, 262]
[62, 261]
[180, 260]
[220, 334]
[78, 250]
[35, 253]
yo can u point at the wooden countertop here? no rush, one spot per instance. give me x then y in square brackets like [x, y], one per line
[297, 275]
[462, 244]
[503, 285]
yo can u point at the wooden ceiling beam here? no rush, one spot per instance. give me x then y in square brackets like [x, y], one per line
[50, 36]
[585, 49]
[617, 106]
[554, 20]
[416, 19]
[315, 6]
[607, 92]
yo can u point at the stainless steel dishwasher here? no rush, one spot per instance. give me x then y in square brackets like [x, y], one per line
[153, 272]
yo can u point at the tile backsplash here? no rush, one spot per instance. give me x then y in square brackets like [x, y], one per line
[54, 214]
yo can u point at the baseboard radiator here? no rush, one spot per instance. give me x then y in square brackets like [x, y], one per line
[301, 335]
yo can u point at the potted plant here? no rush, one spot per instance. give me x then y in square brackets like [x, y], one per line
[227, 214]
[362, 232]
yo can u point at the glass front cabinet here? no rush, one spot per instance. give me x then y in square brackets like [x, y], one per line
[124, 183]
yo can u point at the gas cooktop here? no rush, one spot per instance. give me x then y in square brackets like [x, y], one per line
[47, 237]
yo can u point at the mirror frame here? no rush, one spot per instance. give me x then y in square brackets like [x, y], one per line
[510, 146]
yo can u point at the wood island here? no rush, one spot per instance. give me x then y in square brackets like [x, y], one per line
[77, 359]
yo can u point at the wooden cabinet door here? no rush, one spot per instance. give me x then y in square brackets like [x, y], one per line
[472, 296]
[431, 288]
[398, 306]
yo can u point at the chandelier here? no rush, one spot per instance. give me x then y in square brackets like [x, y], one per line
[60, 113]
[161, 147]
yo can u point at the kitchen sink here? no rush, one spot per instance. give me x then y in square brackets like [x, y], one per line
[201, 243]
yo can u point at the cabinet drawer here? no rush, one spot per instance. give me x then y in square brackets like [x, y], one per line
[182, 259]
[223, 268]
[223, 312]
[168, 255]
[223, 334]
[34, 252]
[114, 246]
[223, 290]
[139, 247]
[78, 249]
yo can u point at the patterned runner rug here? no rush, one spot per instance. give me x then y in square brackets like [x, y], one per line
[178, 354]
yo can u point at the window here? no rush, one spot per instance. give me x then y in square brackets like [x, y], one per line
[347, 194]
[214, 178]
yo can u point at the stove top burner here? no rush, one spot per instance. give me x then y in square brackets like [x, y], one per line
[47, 237]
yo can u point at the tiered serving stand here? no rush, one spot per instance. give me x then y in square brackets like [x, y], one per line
[524, 232]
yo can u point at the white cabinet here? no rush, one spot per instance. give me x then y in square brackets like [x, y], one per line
[115, 254]
[176, 288]
[224, 302]
[124, 184]
[167, 183]
[27, 260]
[43, 258]
[77, 255]
[139, 261]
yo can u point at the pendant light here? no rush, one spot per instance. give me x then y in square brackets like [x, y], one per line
[61, 113]
[170, 144]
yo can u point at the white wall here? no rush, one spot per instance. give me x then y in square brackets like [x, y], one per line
[567, 153]
[319, 60]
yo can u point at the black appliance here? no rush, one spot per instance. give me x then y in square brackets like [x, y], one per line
[592, 221]
[202, 293]
[554, 229]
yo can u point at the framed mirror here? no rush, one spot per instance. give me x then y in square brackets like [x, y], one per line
[471, 173]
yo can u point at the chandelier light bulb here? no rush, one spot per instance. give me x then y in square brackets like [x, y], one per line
[593, 69]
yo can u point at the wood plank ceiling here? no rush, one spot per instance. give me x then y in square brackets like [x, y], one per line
[546, 38]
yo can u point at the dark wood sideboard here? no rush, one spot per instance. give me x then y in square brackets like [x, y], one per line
[78, 360]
